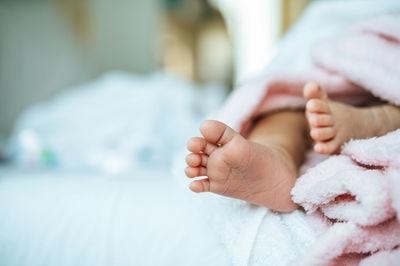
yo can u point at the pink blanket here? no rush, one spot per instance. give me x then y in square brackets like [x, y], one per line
[352, 199]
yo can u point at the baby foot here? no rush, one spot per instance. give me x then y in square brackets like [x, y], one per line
[332, 124]
[238, 168]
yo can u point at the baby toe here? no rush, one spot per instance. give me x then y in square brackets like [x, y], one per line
[193, 160]
[216, 132]
[322, 134]
[196, 145]
[329, 147]
[317, 106]
[312, 90]
[200, 185]
[195, 171]
[320, 120]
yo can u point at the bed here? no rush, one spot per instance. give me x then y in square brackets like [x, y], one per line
[111, 191]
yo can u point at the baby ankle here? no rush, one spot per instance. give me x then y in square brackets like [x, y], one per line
[382, 121]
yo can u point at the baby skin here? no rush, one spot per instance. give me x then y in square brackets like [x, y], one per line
[332, 123]
[263, 168]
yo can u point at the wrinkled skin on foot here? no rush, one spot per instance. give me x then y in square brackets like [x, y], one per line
[238, 168]
[332, 124]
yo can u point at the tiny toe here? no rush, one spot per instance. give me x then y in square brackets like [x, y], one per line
[217, 132]
[195, 171]
[312, 90]
[329, 147]
[196, 145]
[322, 134]
[193, 160]
[320, 120]
[317, 106]
[200, 185]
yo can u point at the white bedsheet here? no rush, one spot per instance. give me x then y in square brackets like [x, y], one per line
[59, 218]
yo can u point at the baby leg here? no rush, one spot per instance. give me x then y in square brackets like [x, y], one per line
[332, 123]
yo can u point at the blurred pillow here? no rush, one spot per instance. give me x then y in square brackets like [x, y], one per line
[114, 124]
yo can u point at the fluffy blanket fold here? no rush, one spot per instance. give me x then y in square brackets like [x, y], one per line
[352, 199]
[354, 202]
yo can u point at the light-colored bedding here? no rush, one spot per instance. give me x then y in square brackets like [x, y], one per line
[322, 21]
[115, 124]
[90, 181]
[60, 218]
[146, 216]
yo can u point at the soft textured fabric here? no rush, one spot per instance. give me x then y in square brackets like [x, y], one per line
[353, 199]
[363, 61]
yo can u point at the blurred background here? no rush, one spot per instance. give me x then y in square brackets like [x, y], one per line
[118, 85]
[47, 46]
